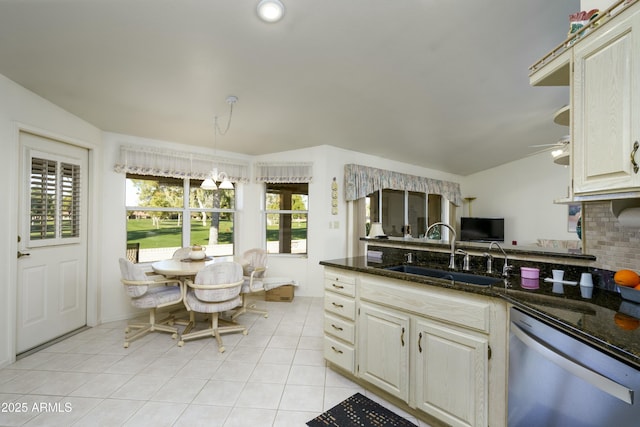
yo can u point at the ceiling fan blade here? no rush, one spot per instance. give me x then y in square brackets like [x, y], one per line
[561, 143]
[557, 144]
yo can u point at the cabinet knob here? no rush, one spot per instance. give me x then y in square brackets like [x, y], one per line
[337, 286]
[420, 342]
[337, 305]
[336, 350]
[402, 337]
[633, 156]
[337, 328]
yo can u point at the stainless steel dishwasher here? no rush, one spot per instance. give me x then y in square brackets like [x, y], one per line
[557, 380]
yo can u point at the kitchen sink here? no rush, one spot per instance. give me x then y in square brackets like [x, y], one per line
[473, 279]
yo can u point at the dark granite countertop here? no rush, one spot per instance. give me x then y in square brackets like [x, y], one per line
[590, 320]
[513, 250]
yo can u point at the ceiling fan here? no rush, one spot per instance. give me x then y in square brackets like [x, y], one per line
[560, 150]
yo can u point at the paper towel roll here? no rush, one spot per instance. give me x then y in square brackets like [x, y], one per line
[630, 217]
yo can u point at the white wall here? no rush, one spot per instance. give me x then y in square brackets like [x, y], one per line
[327, 233]
[22, 109]
[595, 4]
[327, 238]
[522, 192]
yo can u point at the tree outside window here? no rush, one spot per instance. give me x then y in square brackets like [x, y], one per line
[160, 219]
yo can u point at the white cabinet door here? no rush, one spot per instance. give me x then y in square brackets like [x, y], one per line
[606, 104]
[383, 349]
[451, 378]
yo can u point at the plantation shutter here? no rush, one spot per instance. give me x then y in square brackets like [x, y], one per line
[54, 200]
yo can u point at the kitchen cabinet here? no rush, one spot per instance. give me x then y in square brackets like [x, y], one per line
[601, 69]
[383, 349]
[606, 104]
[444, 336]
[440, 351]
[451, 373]
[339, 319]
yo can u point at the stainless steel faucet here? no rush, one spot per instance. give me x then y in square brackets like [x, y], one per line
[465, 260]
[489, 262]
[452, 257]
[408, 258]
[506, 268]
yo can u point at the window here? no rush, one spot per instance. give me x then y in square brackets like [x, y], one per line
[286, 217]
[54, 201]
[417, 212]
[395, 209]
[165, 214]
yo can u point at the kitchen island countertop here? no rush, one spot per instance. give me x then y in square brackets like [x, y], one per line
[590, 320]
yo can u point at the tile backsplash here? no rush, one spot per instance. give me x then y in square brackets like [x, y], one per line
[614, 246]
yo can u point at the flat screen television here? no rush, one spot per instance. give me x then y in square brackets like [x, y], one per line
[481, 229]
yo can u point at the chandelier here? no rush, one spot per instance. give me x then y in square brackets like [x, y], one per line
[218, 176]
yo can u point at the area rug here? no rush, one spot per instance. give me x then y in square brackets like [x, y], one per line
[359, 411]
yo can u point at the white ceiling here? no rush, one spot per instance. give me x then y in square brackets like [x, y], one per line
[436, 83]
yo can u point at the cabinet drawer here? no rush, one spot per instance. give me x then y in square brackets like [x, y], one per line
[340, 283]
[339, 276]
[340, 328]
[339, 353]
[342, 306]
[456, 307]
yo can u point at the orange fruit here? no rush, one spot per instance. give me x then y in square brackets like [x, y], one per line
[625, 322]
[627, 278]
[637, 287]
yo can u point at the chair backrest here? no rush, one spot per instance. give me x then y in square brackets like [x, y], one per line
[223, 281]
[182, 253]
[133, 252]
[132, 272]
[254, 258]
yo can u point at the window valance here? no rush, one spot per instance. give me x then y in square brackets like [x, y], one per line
[176, 164]
[360, 181]
[283, 172]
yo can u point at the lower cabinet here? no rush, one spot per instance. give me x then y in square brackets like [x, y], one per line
[383, 349]
[339, 319]
[441, 351]
[451, 368]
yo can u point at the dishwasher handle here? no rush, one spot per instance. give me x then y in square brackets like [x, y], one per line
[594, 378]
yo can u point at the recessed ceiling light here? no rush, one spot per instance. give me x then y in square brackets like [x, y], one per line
[270, 10]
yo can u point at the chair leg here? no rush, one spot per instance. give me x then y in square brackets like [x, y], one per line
[215, 331]
[145, 328]
[248, 308]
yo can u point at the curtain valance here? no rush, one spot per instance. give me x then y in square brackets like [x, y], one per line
[177, 164]
[360, 181]
[283, 172]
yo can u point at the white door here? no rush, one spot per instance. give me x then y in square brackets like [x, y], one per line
[52, 257]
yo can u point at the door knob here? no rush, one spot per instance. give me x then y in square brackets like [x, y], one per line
[21, 254]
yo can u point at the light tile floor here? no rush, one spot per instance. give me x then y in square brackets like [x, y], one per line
[274, 376]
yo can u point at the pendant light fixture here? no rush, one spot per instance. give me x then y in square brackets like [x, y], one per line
[270, 10]
[215, 176]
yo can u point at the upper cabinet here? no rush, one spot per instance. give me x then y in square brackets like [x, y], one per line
[602, 66]
[606, 81]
